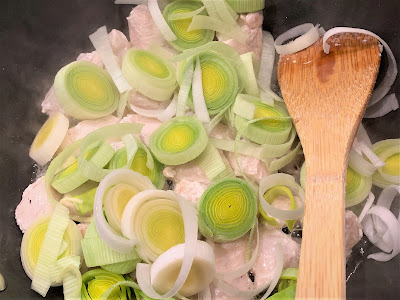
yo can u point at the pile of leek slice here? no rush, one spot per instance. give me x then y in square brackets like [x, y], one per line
[146, 242]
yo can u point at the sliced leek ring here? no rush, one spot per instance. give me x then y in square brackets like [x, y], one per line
[86, 91]
[33, 239]
[96, 282]
[72, 177]
[179, 140]
[165, 269]
[220, 82]
[49, 138]
[272, 194]
[389, 152]
[274, 128]
[154, 219]
[139, 164]
[246, 6]
[115, 201]
[227, 210]
[186, 39]
[149, 74]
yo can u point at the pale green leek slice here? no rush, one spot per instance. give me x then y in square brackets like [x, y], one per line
[49, 250]
[272, 194]
[274, 128]
[389, 152]
[72, 282]
[97, 253]
[149, 74]
[219, 82]
[227, 210]
[49, 138]
[97, 172]
[223, 50]
[86, 91]
[72, 177]
[3, 283]
[33, 239]
[178, 141]
[154, 219]
[210, 162]
[115, 201]
[96, 282]
[251, 65]
[186, 10]
[84, 202]
[139, 164]
[246, 6]
[357, 185]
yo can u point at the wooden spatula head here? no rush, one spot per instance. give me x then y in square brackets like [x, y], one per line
[326, 96]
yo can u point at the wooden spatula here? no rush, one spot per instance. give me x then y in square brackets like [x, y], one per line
[326, 96]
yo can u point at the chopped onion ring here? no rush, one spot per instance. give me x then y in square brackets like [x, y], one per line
[383, 88]
[307, 34]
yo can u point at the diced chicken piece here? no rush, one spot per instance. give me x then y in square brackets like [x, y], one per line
[190, 180]
[83, 128]
[190, 190]
[250, 24]
[142, 29]
[119, 44]
[149, 125]
[142, 101]
[352, 231]
[93, 57]
[222, 131]
[50, 104]
[83, 227]
[34, 204]
[254, 168]
[230, 256]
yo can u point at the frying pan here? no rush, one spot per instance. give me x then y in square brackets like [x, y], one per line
[38, 37]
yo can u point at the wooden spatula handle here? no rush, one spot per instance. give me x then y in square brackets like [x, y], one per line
[322, 261]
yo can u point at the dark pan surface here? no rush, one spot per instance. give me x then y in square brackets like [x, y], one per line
[38, 37]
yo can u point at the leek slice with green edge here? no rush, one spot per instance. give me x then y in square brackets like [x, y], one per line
[125, 130]
[227, 210]
[49, 250]
[97, 253]
[149, 74]
[86, 91]
[99, 154]
[389, 152]
[186, 39]
[273, 129]
[115, 201]
[246, 6]
[72, 282]
[154, 218]
[139, 164]
[289, 293]
[49, 138]
[219, 81]
[33, 239]
[178, 141]
[357, 185]
[96, 282]
[224, 50]
[84, 202]
[270, 196]
[251, 65]
[288, 278]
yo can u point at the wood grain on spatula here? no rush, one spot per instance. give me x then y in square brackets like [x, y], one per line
[326, 96]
